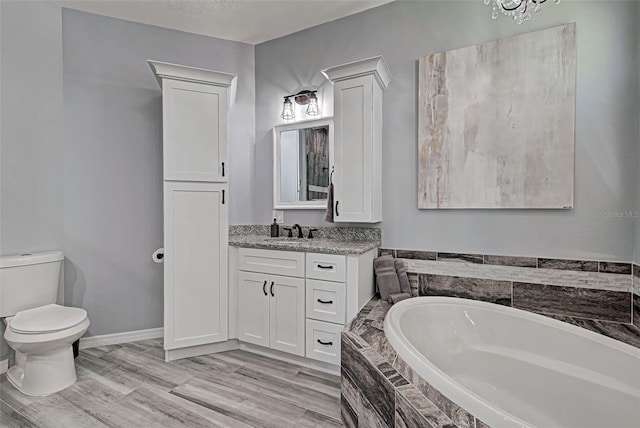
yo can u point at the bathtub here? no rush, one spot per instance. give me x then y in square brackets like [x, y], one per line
[511, 368]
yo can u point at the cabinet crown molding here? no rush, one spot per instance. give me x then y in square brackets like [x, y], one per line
[165, 70]
[375, 65]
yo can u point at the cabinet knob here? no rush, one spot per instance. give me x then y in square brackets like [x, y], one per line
[326, 302]
[271, 289]
[264, 288]
[325, 343]
[325, 267]
[337, 213]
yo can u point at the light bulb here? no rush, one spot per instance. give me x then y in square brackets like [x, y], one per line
[287, 110]
[313, 109]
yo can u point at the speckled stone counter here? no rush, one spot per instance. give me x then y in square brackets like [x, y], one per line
[327, 240]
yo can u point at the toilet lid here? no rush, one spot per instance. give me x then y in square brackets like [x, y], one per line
[47, 319]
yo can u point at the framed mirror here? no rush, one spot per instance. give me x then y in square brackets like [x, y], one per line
[302, 158]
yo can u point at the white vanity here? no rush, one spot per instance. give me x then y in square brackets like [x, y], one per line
[297, 302]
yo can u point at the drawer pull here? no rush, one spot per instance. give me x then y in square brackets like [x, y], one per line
[264, 288]
[271, 289]
[325, 343]
[325, 267]
[326, 302]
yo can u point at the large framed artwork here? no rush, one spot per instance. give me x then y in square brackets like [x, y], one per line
[496, 123]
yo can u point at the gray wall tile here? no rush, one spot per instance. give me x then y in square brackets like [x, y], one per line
[530, 262]
[612, 267]
[571, 301]
[636, 310]
[563, 264]
[460, 258]
[418, 413]
[386, 252]
[626, 333]
[487, 290]
[413, 254]
[375, 389]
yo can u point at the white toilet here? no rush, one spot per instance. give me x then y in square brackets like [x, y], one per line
[41, 332]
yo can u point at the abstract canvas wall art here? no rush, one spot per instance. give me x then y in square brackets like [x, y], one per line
[496, 123]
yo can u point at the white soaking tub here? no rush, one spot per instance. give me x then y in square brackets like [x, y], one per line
[512, 368]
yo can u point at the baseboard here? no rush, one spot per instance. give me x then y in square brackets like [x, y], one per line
[290, 358]
[117, 338]
[4, 366]
[195, 351]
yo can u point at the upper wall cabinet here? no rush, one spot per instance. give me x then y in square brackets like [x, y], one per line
[194, 108]
[357, 92]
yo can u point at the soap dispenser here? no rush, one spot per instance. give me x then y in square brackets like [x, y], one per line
[275, 229]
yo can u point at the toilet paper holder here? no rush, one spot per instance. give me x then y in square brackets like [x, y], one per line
[158, 255]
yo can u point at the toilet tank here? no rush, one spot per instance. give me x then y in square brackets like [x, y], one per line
[28, 281]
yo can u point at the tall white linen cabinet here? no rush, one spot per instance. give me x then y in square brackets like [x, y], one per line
[195, 172]
[357, 117]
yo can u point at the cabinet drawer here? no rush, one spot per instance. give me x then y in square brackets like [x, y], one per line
[328, 267]
[287, 263]
[326, 301]
[323, 341]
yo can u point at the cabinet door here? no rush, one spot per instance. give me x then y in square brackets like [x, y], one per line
[353, 103]
[195, 131]
[287, 319]
[195, 264]
[253, 308]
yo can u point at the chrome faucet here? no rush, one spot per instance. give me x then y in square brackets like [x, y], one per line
[300, 235]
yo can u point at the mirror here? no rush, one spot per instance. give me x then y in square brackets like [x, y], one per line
[303, 154]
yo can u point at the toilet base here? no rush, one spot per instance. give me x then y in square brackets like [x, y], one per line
[42, 375]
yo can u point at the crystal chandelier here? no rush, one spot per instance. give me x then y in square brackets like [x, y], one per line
[519, 10]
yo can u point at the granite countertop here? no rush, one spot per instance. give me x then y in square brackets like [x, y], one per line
[327, 240]
[315, 245]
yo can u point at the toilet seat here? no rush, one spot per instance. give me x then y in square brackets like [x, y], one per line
[47, 319]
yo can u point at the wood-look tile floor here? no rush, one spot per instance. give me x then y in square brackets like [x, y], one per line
[130, 385]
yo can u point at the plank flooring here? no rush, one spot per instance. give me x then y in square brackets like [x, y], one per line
[130, 385]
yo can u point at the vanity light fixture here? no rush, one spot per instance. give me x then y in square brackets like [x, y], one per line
[287, 109]
[307, 98]
[313, 109]
[519, 10]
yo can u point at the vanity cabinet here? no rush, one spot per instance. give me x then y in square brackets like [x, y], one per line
[299, 302]
[271, 308]
[194, 115]
[357, 178]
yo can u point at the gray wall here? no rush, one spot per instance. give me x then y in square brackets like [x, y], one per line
[113, 160]
[606, 123]
[30, 117]
[31, 103]
[636, 247]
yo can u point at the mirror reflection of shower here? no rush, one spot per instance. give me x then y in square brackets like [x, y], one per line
[304, 164]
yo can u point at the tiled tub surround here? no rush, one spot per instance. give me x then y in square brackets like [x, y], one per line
[636, 295]
[608, 303]
[380, 390]
[327, 240]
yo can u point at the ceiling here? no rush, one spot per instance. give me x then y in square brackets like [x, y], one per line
[248, 21]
